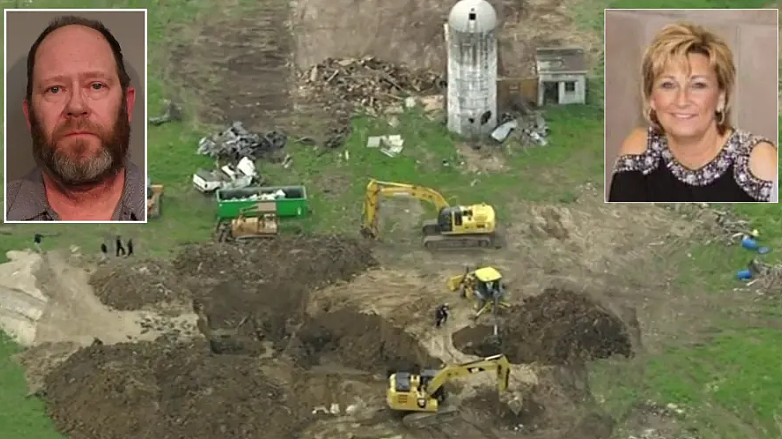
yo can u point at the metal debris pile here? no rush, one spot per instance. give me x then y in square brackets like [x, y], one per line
[236, 142]
[369, 83]
[524, 123]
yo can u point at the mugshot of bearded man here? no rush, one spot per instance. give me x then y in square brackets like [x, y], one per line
[78, 107]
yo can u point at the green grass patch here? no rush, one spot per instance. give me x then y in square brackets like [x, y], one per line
[20, 416]
[725, 385]
[737, 370]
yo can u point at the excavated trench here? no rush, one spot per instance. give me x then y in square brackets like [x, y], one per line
[251, 300]
[557, 327]
[362, 341]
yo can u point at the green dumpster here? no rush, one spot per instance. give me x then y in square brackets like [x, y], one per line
[291, 200]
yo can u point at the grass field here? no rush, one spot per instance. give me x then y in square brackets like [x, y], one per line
[730, 382]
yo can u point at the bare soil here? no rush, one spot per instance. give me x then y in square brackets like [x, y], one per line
[299, 325]
[262, 337]
[238, 60]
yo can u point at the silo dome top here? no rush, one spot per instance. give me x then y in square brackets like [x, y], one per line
[473, 16]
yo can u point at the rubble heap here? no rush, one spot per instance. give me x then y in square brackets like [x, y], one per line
[237, 142]
[524, 122]
[370, 84]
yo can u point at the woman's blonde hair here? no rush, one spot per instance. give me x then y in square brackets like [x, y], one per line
[672, 45]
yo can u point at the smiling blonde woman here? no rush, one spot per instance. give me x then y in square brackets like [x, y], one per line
[690, 152]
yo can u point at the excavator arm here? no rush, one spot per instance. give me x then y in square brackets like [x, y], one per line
[498, 363]
[457, 281]
[377, 189]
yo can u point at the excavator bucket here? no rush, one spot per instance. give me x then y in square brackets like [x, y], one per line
[454, 282]
[366, 232]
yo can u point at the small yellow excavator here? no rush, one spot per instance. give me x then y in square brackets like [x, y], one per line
[422, 396]
[258, 221]
[482, 286]
[455, 226]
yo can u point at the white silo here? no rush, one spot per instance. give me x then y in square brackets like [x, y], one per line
[472, 68]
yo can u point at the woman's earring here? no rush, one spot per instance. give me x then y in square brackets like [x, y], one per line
[720, 117]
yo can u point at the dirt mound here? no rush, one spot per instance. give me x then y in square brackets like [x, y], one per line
[557, 327]
[358, 340]
[119, 391]
[306, 260]
[258, 291]
[132, 285]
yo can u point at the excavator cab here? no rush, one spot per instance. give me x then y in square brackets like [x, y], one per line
[488, 283]
[454, 226]
[483, 286]
[475, 219]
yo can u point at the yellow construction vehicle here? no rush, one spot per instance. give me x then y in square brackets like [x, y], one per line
[422, 396]
[455, 226]
[257, 221]
[483, 286]
[154, 196]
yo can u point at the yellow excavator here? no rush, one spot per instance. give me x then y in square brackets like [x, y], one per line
[455, 226]
[482, 286]
[421, 396]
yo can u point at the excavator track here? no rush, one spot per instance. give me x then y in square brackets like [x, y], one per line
[435, 242]
[428, 419]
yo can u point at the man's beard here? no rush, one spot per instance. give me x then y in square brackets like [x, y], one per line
[66, 165]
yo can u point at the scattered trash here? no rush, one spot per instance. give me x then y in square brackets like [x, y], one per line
[242, 175]
[752, 244]
[172, 114]
[390, 145]
[503, 131]
[744, 274]
[320, 409]
[749, 241]
[528, 124]
[236, 142]
[271, 196]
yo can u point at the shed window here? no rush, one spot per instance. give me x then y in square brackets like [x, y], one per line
[570, 86]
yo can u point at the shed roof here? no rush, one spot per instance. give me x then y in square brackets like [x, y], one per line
[558, 60]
